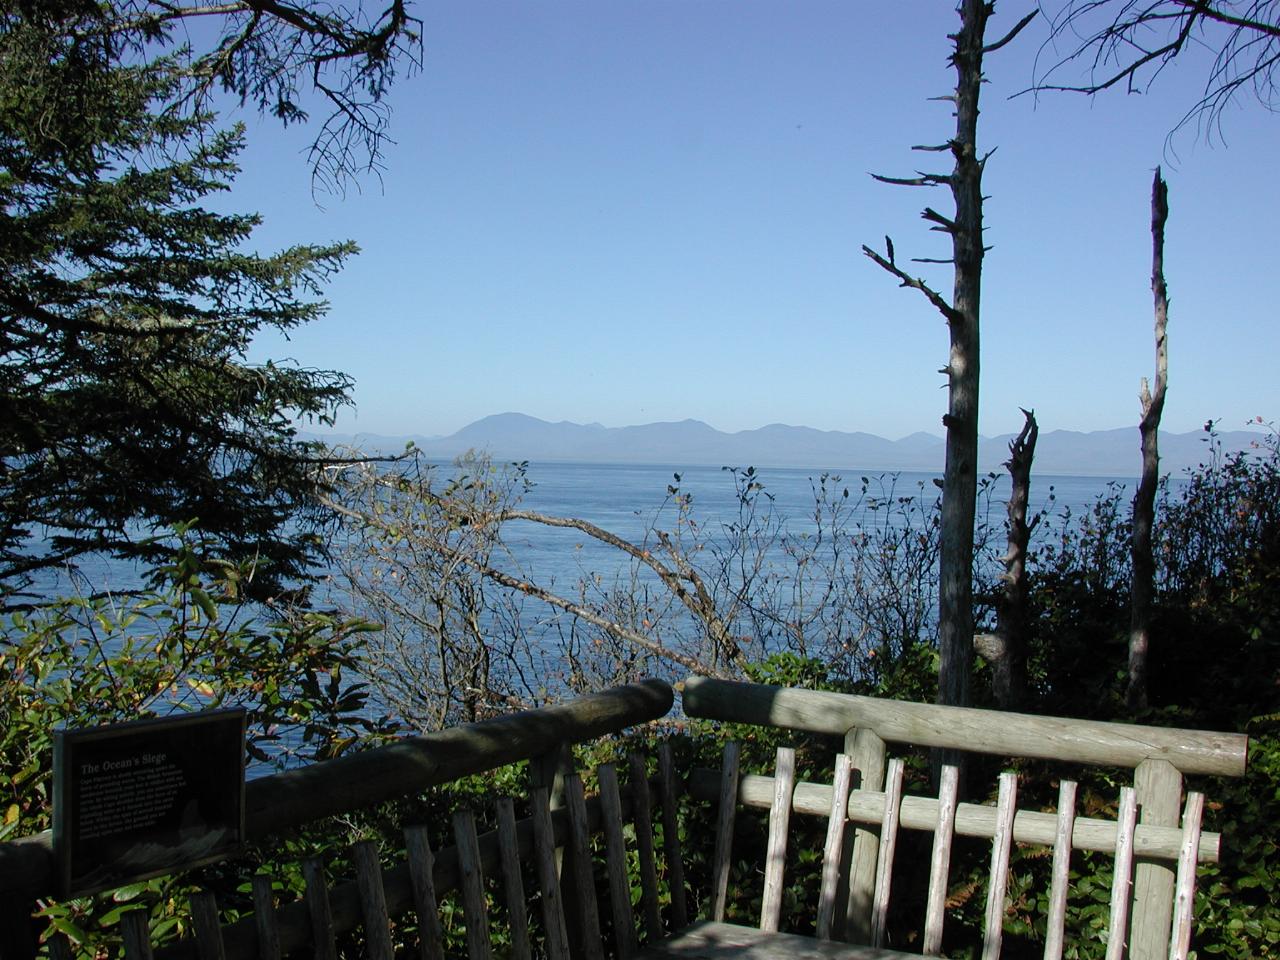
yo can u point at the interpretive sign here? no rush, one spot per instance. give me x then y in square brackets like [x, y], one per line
[136, 800]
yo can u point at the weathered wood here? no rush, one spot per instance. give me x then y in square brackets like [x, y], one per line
[422, 875]
[1180, 941]
[709, 940]
[726, 814]
[888, 844]
[643, 819]
[998, 883]
[867, 751]
[972, 820]
[548, 876]
[512, 881]
[940, 861]
[317, 900]
[286, 800]
[474, 909]
[136, 932]
[775, 856]
[1062, 841]
[624, 931]
[1117, 926]
[264, 916]
[671, 834]
[588, 916]
[1158, 786]
[373, 902]
[208, 929]
[961, 728]
[833, 848]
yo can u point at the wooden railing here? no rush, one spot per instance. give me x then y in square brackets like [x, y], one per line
[1159, 758]
[297, 797]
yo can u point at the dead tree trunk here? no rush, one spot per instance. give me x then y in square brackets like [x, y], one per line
[960, 478]
[1144, 501]
[1006, 649]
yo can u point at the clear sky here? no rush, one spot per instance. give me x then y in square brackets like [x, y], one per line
[635, 211]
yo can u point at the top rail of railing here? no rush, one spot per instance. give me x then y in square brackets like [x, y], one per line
[295, 797]
[967, 729]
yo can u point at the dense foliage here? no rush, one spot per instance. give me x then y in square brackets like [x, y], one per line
[127, 404]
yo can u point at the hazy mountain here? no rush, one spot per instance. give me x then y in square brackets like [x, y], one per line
[515, 436]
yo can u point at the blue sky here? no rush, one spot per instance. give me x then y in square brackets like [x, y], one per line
[634, 211]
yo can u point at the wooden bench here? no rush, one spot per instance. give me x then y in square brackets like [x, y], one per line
[556, 899]
[1155, 858]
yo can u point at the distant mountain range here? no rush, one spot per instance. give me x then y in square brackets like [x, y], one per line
[515, 436]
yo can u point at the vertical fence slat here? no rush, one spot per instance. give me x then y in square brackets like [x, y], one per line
[624, 930]
[726, 814]
[422, 874]
[1123, 870]
[136, 930]
[643, 816]
[475, 913]
[317, 895]
[1158, 786]
[868, 752]
[940, 863]
[60, 948]
[775, 858]
[1006, 807]
[588, 917]
[264, 919]
[1185, 895]
[512, 881]
[888, 844]
[208, 930]
[1057, 918]
[671, 835]
[373, 901]
[544, 844]
[833, 849]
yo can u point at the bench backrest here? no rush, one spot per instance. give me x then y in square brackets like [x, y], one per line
[1156, 856]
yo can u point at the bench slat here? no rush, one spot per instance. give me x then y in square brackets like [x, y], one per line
[1180, 939]
[888, 844]
[940, 862]
[833, 849]
[1061, 871]
[775, 857]
[726, 813]
[1006, 807]
[1123, 872]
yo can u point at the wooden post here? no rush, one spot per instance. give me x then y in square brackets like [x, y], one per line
[867, 751]
[17, 940]
[1158, 785]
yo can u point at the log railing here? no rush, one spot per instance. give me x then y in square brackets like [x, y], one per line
[294, 798]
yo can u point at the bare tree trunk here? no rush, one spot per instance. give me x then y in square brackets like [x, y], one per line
[1006, 650]
[960, 478]
[1144, 502]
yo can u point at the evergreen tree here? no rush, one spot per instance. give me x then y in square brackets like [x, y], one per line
[127, 404]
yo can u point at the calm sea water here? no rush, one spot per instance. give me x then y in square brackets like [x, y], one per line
[627, 499]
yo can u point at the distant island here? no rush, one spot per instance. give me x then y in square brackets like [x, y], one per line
[515, 436]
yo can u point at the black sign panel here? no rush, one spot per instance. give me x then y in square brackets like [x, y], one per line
[136, 800]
